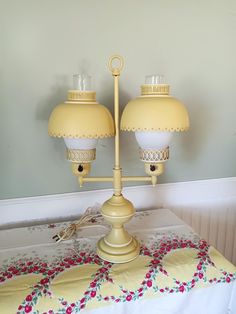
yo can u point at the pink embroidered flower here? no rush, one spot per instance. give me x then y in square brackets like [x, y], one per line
[42, 270]
[44, 281]
[106, 298]
[117, 300]
[51, 226]
[97, 261]
[11, 268]
[200, 275]
[199, 267]
[79, 260]
[73, 304]
[181, 288]
[140, 294]
[149, 283]
[93, 294]
[35, 268]
[228, 279]
[20, 307]
[69, 310]
[82, 306]
[93, 284]
[148, 275]
[129, 297]
[161, 290]
[140, 289]
[29, 298]
[28, 308]
[156, 261]
[168, 248]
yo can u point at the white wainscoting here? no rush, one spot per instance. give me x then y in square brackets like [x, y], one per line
[209, 206]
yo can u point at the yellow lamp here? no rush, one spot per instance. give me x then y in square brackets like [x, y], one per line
[81, 121]
[154, 116]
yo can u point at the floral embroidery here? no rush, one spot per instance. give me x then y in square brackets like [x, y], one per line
[156, 252]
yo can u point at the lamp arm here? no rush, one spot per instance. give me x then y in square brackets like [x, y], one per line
[152, 179]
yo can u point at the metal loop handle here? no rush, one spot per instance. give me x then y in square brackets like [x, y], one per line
[116, 70]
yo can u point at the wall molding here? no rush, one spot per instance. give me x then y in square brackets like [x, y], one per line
[177, 196]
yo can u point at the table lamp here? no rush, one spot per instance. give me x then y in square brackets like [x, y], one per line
[81, 121]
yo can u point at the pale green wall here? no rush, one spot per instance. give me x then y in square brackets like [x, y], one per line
[192, 42]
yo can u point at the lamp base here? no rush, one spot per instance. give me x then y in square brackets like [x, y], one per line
[118, 254]
[118, 246]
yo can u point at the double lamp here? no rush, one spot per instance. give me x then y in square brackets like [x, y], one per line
[81, 121]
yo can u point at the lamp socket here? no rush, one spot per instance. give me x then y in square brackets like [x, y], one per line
[154, 169]
[81, 169]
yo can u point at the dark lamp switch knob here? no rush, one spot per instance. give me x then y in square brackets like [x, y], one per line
[152, 168]
[80, 168]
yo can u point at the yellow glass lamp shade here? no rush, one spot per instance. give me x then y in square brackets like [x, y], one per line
[81, 117]
[155, 110]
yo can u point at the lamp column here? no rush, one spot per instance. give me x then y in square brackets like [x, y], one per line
[118, 245]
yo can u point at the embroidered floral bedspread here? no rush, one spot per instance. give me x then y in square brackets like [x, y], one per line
[40, 276]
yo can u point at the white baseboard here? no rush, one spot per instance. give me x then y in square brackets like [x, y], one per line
[188, 195]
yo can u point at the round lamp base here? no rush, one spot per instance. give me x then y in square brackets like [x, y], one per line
[118, 254]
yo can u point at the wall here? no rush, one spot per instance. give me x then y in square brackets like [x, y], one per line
[44, 42]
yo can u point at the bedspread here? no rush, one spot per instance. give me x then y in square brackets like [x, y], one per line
[176, 273]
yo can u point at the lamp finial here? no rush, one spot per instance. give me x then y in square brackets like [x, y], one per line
[116, 69]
